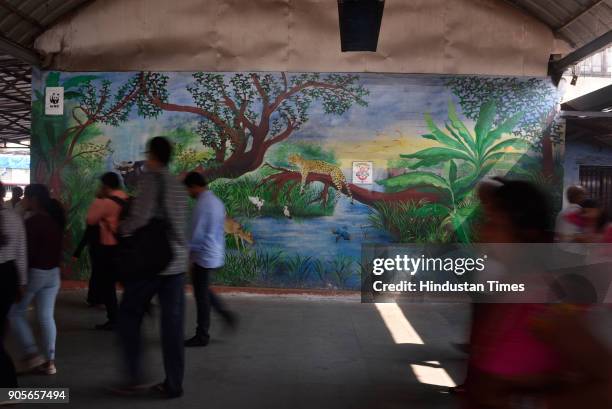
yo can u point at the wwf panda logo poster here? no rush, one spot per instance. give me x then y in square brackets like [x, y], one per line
[54, 101]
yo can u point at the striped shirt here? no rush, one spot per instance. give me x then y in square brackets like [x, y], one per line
[144, 208]
[15, 248]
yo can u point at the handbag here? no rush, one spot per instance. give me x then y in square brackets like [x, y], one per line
[148, 251]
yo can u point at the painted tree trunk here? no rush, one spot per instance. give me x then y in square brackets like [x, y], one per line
[548, 164]
[365, 196]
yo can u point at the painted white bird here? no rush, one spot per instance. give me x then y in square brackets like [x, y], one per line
[258, 202]
[286, 212]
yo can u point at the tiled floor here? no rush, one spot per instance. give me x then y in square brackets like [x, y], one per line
[288, 352]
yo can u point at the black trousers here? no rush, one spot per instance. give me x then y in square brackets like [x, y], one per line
[107, 280]
[8, 295]
[137, 295]
[205, 298]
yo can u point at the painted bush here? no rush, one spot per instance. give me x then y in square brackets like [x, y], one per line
[278, 149]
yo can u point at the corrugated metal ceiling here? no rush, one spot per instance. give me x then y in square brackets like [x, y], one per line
[576, 21]
[21, 21]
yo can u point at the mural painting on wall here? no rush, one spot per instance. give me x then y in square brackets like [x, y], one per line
[279, 150]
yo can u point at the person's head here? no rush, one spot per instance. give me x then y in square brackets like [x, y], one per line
[36, 197]
[38, 200]
[17, 193]
[515, 212]
[575, 194]
[110, 181]
[593, 214]
[196, 184]
[159, 151]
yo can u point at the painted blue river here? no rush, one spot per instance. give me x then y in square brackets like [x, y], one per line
[313, 236]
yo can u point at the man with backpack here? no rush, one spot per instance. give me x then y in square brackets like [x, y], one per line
[105, 212]
[153, 257]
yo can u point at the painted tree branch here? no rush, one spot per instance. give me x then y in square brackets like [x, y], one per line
[365, 196]
[308, 84]
[227, 116]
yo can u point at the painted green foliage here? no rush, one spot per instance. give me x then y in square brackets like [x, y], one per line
[481, 149]
[533, 98]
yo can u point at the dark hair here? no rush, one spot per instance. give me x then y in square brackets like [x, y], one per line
[17, 191]
[161, 149]
[574, 193]
[527, 206]
[195, 179]
[111, 180]
[52, 206]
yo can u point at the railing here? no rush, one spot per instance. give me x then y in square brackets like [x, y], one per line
[597, 180]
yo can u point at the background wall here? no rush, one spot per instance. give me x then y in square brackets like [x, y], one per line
[586, 151]
[488, 37]
[255, 135]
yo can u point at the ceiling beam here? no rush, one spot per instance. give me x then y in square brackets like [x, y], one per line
[21, 14]
[15, 99]
[585, 114]
[21, 53]
[556, 68]
[539, 10]
[10, 85]
[24, 74]
[579, 15]
[23, 115]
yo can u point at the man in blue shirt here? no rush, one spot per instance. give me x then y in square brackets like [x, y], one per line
[207, 254]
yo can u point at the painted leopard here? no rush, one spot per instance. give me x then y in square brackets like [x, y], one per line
[318, 166]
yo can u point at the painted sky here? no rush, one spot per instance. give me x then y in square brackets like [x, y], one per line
[391, 123]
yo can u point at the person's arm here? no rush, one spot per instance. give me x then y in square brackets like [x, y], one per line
[143, 205]
[199, 223]
[85, 240]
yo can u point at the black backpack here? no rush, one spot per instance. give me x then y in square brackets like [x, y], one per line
[125, 205]
[148, 251]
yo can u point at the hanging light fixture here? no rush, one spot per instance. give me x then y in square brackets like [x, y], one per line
[360, 24]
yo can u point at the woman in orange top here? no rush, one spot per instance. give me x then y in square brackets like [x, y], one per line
[105, 212]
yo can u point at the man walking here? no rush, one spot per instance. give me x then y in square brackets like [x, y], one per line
[207, 254]
[158, 192]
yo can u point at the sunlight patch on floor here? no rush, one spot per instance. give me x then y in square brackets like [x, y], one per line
[432, 374]
[397, 324]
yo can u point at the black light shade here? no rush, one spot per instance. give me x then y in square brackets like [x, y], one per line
[360, 24]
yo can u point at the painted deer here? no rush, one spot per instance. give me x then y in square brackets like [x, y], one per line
[235, 229]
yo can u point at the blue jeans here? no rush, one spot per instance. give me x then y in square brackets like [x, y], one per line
[43, 286]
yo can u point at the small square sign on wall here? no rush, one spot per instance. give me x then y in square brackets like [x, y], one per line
[363, 173]
[54, 101]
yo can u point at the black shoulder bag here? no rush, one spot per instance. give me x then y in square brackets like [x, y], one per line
[148, 251]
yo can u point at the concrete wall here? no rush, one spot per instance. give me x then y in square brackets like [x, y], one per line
[489, 37]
